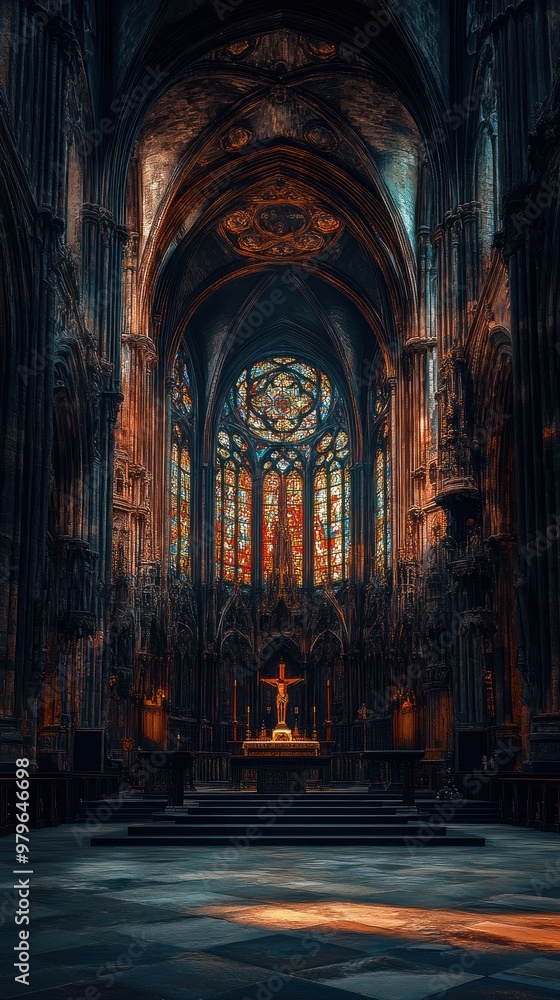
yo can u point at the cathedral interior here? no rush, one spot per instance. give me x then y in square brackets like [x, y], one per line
[280, 453]
[280, 361]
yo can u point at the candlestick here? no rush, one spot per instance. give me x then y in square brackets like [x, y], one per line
[363, 714]
[329, 702]
[235, 701]
[248, 733]
[314, 733]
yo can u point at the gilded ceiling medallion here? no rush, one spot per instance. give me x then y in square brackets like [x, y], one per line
[318, 48]
[236, 137]
[319, 134]
[237, 222]
[326, 223]
[281, 219]
[239, 49]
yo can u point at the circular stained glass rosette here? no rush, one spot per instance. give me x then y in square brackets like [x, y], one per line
[282, 399]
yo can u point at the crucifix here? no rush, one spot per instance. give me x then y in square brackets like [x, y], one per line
[281, 683]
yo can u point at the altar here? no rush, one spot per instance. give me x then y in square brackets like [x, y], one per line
[285, 772]
[282, 761]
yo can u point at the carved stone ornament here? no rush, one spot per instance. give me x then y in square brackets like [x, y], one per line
[318, 48]
[281, 219]
[236, 137]
[239, 49]
[321, 136]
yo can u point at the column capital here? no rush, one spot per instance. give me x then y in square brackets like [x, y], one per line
[418, 344]
[143, 345]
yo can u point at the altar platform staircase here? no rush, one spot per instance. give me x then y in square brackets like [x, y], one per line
[464, 810]
[322, 819]
[129, 809]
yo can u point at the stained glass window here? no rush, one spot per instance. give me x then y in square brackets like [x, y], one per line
[294, 504]
[283, 418]
[283, 399]
[180, 470]
[388, 508]
[180, 503]
[174, 541]
[383, 510]
[332, 509]
[234, 497]
[380, 510]
[271, 494]
[321, 526]
[181, 393]
[283, 506]
[243, 541]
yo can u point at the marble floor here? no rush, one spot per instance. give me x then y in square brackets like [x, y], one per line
[253, 924]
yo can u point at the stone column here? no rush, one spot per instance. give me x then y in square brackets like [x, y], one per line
[103, 244]
[537, 474]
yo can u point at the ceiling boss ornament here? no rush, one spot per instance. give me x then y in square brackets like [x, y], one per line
[239, 49]
[236, 137]
[321, 136]
[280, 220]
[318, 48]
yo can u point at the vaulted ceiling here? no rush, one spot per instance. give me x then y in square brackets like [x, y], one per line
[273, 187]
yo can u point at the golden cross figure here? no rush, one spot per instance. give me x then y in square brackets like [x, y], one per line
[281, 683]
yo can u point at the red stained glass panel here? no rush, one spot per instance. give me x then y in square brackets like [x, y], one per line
[244, 502]
[321, 505]
[271, 490]
[294, 503]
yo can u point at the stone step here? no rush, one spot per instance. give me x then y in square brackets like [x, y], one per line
[142, 804]
[316, 819]
[232, 829]
[364, 802]
[311, 840]
[294, 807]
[117, 810]
[290, 818]
[474, 818]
